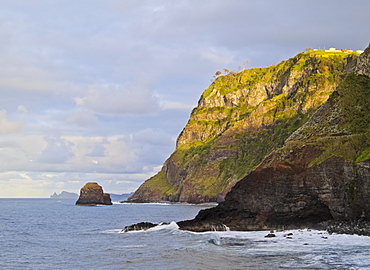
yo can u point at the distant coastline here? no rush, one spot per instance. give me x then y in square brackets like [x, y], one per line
[71, 195]
[64, 195]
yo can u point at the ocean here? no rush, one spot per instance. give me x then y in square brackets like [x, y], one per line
[56, 234]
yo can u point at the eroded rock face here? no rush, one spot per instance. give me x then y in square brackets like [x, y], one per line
[283, 194]
[363, 63]
[92, 194]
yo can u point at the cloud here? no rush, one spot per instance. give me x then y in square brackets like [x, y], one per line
[120, 100]
[100, 91]
[98, 151]
[83, 118]
[22, 109]
[9, 127]
[57, 151]
[20, 184]
[219, 56]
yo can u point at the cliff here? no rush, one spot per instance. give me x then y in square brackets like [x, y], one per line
[240, 119]
[321, 174]
[92, 194]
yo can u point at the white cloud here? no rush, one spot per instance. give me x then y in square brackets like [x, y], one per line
[98, 151]
[22, 109]
[23, 184]
[79, 100]
[8, 127]
[57, 151]
[83, 118]
[101, 91]
[121, 100]
[168, 105]
[219, 56]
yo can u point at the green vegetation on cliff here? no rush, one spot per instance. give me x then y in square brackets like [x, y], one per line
[241, 118]
[342, 128]
[348, 134]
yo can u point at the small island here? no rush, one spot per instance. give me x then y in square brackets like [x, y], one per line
[92, 194]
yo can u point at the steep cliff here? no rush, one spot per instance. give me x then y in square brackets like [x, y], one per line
[241, 118]
[322, 173]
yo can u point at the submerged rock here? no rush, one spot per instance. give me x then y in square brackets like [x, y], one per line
[92, 194]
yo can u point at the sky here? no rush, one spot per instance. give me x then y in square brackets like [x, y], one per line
[99, 90]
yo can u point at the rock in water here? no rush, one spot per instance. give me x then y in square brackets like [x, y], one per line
[92, 194]
[139, 226]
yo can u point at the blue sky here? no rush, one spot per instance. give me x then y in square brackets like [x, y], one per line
[99, 90]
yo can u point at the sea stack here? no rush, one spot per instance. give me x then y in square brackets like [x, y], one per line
[92, 194]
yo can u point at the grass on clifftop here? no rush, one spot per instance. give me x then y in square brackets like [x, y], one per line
[328, 64]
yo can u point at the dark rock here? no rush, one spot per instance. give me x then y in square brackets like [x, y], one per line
[92, 194]
[359, 227]
[190, 225]
[270, 235]
[139, 226]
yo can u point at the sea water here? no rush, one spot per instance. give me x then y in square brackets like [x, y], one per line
[56, 234]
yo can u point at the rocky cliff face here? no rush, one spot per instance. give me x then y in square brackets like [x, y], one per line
[321, 174]
[92, 194]
[241, 118]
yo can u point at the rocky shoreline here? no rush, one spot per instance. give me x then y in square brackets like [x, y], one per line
[358, 227]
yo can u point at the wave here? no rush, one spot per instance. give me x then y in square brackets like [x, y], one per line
[146, 203]
[172, 226]
[162, 226]
[112, 231]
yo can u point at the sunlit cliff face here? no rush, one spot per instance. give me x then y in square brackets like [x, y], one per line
[240, 119]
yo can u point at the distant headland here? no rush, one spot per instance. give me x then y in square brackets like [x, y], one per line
[64, 195]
